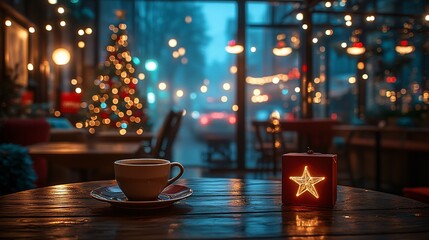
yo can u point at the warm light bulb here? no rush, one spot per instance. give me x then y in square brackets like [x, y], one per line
[88, 31]
[61, 56]
[31, 30]
[172, 42]
[179, 93]
[61, 10]
[162, 86]
[81, 44]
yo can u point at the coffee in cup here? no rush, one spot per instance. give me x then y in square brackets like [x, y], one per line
[143, 179]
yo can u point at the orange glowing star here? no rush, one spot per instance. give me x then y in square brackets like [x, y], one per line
[306, 183]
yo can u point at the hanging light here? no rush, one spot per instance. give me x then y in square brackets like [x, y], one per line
[281, 49]
[233, 47]
[356, 48]
[404, 47]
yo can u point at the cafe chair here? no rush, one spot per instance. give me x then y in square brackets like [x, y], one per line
[26, 132]
[269, 146]
[166, 135]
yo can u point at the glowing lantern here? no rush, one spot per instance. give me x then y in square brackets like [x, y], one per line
[309, 179]
[356, 48]
[404, 47]
[281, 49]
[233, 47]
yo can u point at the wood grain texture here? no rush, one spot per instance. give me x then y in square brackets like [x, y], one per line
[219, 208]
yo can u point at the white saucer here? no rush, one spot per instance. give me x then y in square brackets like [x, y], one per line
[114, 195]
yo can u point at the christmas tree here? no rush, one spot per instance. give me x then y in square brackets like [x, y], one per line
[115, 102]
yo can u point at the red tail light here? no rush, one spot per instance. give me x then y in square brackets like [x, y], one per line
[232, 120]
[204, 120]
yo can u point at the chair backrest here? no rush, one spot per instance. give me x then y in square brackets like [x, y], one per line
[264, 138]
[167, 134]
[259, 129]
[27, 132]
[24, 131]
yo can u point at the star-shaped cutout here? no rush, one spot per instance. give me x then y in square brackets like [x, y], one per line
[306, 183]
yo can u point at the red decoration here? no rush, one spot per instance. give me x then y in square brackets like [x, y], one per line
[309, 179]
[304, 68]
[104, 115]
[70, 102]
[232, 43]
[403, 43]
[357, 44]
[281, 44]
[27, 98]
[391, 79]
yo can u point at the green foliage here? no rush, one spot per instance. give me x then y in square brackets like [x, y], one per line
[16, 169]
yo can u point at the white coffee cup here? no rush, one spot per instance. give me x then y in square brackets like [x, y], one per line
[143, 179]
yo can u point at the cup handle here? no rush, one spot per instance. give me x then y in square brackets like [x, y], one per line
[182, 169]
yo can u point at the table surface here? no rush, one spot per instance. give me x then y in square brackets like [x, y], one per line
[219, 208]
[76, 148]
[412, 139]
[373, 128]
[84, 155]
[93, 160]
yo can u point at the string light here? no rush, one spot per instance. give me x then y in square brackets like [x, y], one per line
[61, 10]
[30, 67]
[172, 42]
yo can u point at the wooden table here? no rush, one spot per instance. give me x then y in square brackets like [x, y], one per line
[84, 156]
[400, 143]
[219, 208]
